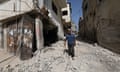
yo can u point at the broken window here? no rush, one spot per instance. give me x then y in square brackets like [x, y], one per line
[54, 8]
[65, 12]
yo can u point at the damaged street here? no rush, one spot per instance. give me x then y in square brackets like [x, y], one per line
[59, 36]
[88, 58]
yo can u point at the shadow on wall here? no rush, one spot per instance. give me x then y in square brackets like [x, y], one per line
[50, 36]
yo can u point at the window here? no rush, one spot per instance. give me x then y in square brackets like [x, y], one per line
[65, 13]
[54, 8]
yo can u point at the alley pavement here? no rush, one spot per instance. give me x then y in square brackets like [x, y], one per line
[88, 58]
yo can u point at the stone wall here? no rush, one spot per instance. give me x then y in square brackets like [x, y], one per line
[104, 26]
[108, 34]
[108, 30]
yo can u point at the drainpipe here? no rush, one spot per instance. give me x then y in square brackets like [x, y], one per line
[20, 39]
[5, 39]
[38, 27]
[0, 35]
[20, 48]
[39, 33]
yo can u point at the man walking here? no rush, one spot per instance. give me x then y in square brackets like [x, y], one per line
[71, 42]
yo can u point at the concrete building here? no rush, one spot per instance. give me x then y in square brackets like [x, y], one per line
[74, 28]
[108, 24]
[28, 25]
[89, 15]
[102, 22]
[66, 17]
[81, 33]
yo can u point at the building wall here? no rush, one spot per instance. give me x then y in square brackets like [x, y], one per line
[108, 27]
[15, 7]
[73, 27]
[102, 23]
[68, 16]
[81, 33]
[89, 16]
[56, 17]
[16, 13]
[48, 4]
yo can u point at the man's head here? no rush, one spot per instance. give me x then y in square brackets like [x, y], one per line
[69, 31]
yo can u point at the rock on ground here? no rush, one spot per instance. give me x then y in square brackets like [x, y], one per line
[88, 58]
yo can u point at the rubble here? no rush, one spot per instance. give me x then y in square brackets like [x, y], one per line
[88, 58]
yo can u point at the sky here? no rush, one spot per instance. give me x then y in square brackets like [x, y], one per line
[76, 10]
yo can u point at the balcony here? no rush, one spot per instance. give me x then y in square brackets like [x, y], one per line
[11, 8]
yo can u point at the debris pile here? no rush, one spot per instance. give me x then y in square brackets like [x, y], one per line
[88, 58]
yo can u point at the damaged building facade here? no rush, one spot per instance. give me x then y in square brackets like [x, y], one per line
[66, 17]
[28, 25]
[101, 23]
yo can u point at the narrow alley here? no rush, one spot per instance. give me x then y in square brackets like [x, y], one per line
[88, 58]
[34, 35]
